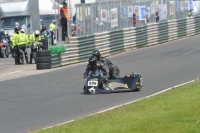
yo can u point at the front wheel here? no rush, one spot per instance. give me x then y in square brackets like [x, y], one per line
[7, 51]
[3, 52]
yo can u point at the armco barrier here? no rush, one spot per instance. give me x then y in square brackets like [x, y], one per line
[55, 60]
[79, 49]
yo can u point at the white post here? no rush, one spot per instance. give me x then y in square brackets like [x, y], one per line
[56, 22]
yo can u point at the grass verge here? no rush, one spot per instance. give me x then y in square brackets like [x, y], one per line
[175, 111]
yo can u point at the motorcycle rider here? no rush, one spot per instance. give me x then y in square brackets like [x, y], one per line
[94, 64]
[34, 37]
[7, 36]
[14, 42]
[113, 70]
[22, 42]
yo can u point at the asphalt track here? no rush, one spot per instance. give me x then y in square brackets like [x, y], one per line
[42, 100]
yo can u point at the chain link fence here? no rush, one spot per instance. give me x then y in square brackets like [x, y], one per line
[115, 15]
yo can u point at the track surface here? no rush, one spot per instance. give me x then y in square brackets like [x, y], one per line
[42, 100]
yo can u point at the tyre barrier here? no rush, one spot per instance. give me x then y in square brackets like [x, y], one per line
[45, 44]
[43, 59]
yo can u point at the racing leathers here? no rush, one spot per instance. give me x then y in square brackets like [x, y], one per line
[113, 70]
[99, 66]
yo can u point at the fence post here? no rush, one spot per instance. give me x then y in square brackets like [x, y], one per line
[69, 33]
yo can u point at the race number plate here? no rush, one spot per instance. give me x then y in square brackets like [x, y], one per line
[92, 83]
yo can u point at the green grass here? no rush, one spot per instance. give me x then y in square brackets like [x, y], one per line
[175, 111]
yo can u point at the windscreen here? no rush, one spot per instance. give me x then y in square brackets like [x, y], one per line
[10, 22]
[96, 72]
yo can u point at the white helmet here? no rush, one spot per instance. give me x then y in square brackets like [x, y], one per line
[37, 32]
[16, 24]
[5, 33]
[22, 30]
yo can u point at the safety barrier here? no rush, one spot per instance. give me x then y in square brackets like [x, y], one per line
[55, 60]
[79, 48]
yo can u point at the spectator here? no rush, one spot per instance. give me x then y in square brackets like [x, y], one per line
[43, 28]
[41, 24]
[47, 35]
[74, 18]
[147, 19]
[190, 13]
[52, 25]
[63, 20]
[157, 17]
[134, 19]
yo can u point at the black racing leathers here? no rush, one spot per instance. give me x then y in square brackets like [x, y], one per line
[113, 70]
[99, 66]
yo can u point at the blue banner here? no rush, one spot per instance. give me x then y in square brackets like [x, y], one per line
[124, 12]
[191, 5]
[177, 5]
[142, 13]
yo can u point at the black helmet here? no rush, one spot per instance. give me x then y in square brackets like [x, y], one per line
[17, 29]
[96, 53]
[92, 61]
[44, 27]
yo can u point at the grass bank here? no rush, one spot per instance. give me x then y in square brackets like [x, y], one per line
[175, 111]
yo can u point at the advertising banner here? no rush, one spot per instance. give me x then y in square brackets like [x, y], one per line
[148, 12]
[124, 12]
[196, 7]
[177, 5]
[142, 13]
[162, 12]
[186, 5]
[114, 17]
[130, 11]
[182, 6]
[154, 8]
[171, 8]
[136, 11]
[103, 15]
[191, 6]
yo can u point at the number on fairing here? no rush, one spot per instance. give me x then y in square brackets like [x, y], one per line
[92, 83]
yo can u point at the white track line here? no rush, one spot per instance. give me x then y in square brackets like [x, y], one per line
[11, 72]
[122, 104]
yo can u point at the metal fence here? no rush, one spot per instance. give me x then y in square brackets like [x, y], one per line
[115, 15]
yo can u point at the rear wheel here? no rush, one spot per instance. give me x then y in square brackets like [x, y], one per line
[7, 51]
